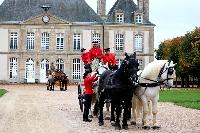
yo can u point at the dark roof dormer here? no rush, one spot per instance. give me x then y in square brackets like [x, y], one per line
[126, 7]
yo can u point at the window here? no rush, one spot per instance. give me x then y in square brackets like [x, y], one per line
[140, 64]
[119, 62]
[13, 40]
[45, 41]
[138, 19]
[30, 41]
[77, 41]
[60, 64]
[96, 37]
[120, 18]
[13, 68]
[76, 69]
[138, 42]
[59, 41]
[119, 42]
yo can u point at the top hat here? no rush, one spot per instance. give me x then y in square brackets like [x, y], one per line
[107, 49]
[95, 42]
[83, 49]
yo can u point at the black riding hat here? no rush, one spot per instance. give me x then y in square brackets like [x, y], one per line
[107, 49]
[83, 49]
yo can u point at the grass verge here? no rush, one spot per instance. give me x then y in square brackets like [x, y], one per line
[185, 98]
[2, 92]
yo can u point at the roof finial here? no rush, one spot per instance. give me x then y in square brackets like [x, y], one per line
[45, 7]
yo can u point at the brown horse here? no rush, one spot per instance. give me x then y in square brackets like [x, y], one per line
[59, 78]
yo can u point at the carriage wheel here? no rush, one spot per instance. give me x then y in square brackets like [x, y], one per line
[81, 104]
[47, 85]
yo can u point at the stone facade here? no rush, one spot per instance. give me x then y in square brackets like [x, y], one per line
[108, 35]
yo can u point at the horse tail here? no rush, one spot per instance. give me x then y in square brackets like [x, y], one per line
[137, 108]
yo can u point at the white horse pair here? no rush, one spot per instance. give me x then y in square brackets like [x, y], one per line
[146, 96]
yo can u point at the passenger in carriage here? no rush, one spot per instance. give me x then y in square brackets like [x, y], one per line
[88, 82]
[86, 60]
[95, 51]
[110, 59]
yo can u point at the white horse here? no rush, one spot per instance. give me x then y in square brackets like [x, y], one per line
[146, 96]
[100, 67]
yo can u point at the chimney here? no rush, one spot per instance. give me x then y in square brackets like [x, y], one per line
[140, 4]
[146, 9]
[143, 5]
[101, 8]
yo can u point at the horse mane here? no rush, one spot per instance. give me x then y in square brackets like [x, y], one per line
[152, 70]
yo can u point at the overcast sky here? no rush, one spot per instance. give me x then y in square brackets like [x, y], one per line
[172, 17]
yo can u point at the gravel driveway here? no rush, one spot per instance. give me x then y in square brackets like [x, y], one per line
[33, 109]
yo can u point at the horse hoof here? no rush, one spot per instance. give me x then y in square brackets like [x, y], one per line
[90, 116]
[146, 127]
[112, 123]
[125, 127]
[133, 123]
[107, 118]
[117, 126]
[101, 123]
[155, 127]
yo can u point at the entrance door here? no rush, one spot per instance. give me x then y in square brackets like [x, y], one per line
[30, 71]
[44, 66]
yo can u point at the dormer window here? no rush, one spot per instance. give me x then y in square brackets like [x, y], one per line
[119, 17]
[138, 18]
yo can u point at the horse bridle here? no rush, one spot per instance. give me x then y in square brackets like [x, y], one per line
[169, 70]
[156, 82]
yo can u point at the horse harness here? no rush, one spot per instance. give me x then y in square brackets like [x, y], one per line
[157, 83]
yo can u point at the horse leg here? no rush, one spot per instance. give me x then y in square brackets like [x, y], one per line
[125, 114]
[95, 111]
[61, 85]
[118, 111]
[155, 111]
[134, 109]
[52, 85]
[90, 113]
[145, 113]
[101, 105]
[65, 85]
[107, 117]
[112, 120]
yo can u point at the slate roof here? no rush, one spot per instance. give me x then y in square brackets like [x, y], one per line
[128, 7]
[69, 10]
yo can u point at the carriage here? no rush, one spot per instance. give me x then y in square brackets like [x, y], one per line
[58, 78]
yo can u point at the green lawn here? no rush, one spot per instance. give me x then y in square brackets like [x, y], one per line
[2, 92]
[185, 98]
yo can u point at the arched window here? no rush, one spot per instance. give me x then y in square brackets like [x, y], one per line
[76, 71]
[138, 42]
[13, 68]
[30, 70]
[44, 67]
[60, 64]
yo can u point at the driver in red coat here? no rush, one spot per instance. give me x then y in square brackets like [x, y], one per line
[110, 59]
[96, 51]
[85, 56]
